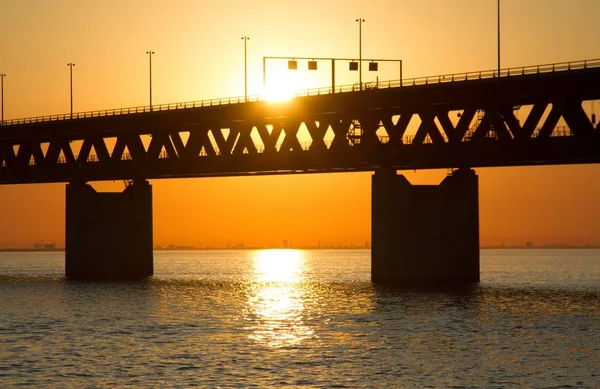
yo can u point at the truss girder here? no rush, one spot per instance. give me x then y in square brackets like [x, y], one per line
[421, 125]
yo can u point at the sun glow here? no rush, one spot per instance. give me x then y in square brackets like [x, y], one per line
[280, 88]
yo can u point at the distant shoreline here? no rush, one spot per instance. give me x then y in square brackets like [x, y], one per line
[545, 247]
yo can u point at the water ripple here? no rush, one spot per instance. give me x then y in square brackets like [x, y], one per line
[243, 321]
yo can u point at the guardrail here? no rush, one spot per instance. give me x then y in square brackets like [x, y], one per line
[131, 110]
[459, 77]
[444, 78]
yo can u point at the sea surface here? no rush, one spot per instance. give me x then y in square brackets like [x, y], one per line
[287, 318]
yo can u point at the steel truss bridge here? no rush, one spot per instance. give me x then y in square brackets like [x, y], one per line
[523, 116]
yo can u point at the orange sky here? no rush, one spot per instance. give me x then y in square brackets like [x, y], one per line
[199, 55]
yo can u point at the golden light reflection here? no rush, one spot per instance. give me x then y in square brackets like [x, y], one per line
[278, 265]
[276, 303]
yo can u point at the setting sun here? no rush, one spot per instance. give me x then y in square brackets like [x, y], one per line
[281, 87]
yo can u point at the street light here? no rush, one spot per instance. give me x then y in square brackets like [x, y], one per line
[498, 38]
[70, 65]
[245, 39]
[2, 75]
[360, 22]
[150, 52]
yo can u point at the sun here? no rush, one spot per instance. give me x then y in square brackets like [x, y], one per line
[280, 88]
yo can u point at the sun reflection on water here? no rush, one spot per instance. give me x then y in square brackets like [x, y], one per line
[276, 302]
[279, 266]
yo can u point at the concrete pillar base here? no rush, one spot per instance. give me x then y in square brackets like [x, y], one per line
[425, 233]
[109, 235]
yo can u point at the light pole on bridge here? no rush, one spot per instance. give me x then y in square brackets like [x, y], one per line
[150, 52]
[2, 75]
[245, 39]
[360, 22]
[70, 65]
[498, 38]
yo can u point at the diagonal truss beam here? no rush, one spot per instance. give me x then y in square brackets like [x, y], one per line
[236, 140]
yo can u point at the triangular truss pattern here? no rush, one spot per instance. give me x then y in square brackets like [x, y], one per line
[30, 153]
[316, 130]
[428, 128]
[458, 132]
[327, 132]
[133, 144]
[177, 143]
[198, 140]
[100, 151]
[60, 152]
[291, 142]
[269, 138]
[162, 146]
[7, 155]
[225, 142]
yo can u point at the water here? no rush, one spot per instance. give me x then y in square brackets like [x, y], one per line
[267, 319]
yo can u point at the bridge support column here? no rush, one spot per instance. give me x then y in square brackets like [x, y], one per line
[425, 233]
[109, 235]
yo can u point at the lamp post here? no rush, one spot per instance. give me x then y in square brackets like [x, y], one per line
[498, 38]
[245, 39]
[150, 52]
[401, 75]
[2, 75]
[70, 65]
[360, 22]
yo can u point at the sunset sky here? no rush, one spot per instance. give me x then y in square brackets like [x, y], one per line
[199, 55]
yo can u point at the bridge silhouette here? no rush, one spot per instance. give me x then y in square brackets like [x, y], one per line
[457, 121]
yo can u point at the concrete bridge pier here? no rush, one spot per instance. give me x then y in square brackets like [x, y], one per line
[109, 235]
[423, 233]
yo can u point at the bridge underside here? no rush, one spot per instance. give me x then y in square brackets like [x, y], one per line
[535, 152]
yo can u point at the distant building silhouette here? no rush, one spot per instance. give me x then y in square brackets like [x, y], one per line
[44, 246]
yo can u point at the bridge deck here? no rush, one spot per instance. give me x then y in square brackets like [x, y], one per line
[525, 117]
[445, 78]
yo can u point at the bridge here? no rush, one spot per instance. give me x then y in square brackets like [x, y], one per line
[515, 117]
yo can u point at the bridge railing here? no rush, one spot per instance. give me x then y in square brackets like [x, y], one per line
[444, 78]
[458, 77]
[133, 110]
